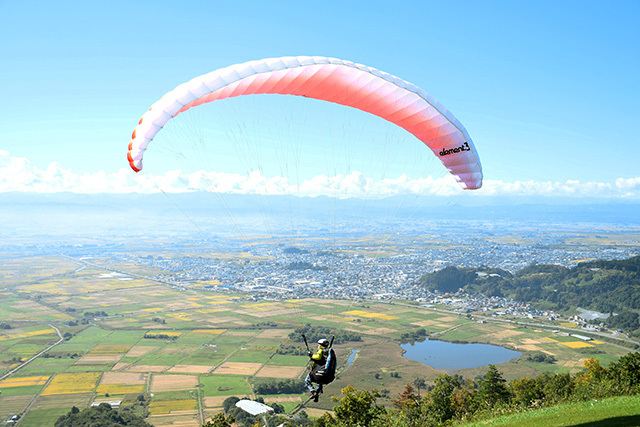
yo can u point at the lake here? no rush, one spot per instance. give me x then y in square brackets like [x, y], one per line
[451, 357]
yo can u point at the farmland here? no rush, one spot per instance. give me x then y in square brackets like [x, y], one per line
[185, 350]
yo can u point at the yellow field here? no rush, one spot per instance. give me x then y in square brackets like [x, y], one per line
[179, 316]
[550, 339]
[84, 283]
[209, 282]
[23, 381]
[360, 313]
[576, 344]
[27, 334]
[68, 383]
[209, 311]
[224, 301]
[291, 305]
[167, 406]
[109, 349]
[334, 318]
[209, 331]
[264, 306]
[34, 268]
[62, 316]
[568, 325]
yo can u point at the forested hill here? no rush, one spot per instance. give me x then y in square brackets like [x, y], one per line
[605, 286]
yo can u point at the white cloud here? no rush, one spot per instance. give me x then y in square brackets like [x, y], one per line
[18, 174]
[622, 188]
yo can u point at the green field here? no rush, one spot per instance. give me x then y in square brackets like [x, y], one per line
[43, 417]
[225, 385]
[284, 360]
[42, 366]
[21, 391]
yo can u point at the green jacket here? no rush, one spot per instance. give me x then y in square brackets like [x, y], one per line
[319, 357]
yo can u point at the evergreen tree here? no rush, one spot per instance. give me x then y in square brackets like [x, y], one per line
[493, 389]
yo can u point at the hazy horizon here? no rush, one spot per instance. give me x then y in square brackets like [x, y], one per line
[60, 216]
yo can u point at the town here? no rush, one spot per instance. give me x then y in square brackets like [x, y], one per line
[368, 268]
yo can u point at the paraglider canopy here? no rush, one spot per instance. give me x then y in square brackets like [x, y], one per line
[329, 79]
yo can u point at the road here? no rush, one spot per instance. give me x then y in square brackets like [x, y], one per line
[17, 368]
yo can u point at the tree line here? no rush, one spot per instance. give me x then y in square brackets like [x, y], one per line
[160, 336]
[315, 333]
[288, 386]
[291, 350]
[418, 335]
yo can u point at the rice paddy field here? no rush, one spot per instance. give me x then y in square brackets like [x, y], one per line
[186, 351]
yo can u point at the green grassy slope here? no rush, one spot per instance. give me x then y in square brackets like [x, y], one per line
[616, 411]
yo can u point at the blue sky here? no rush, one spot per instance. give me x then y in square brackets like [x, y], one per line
[547, 90]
